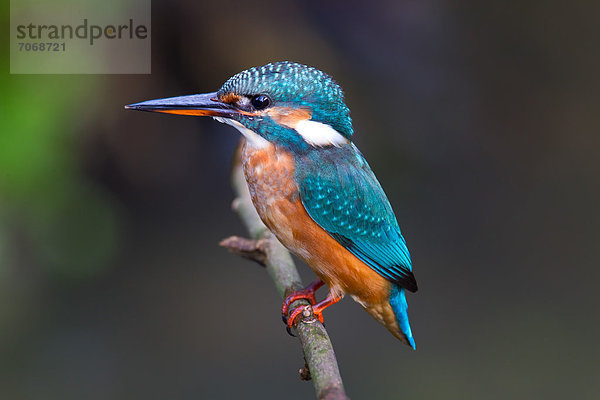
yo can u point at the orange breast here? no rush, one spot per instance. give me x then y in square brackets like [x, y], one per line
[270, 175]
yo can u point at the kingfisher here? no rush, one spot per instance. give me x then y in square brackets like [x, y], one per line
[312, 187]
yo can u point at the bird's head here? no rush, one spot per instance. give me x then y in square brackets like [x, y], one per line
[284, 103]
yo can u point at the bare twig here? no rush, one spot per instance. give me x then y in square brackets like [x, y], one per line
[251, 249]
[320, 362]
[305, 372]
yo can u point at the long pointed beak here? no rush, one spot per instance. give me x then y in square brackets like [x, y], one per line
[207, 104]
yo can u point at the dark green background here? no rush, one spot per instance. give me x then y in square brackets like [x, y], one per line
[481, 121]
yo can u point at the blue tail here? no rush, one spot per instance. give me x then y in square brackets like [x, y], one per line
[400, 307]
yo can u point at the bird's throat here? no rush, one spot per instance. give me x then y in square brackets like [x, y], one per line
[252, 138]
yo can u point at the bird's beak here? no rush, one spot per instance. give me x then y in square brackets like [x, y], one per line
[207, 104]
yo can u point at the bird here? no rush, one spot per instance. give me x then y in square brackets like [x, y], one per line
[312, 187]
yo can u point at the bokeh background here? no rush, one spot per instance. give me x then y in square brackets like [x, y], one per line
[481, 120]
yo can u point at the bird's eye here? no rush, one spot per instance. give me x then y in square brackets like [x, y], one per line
[260, 101]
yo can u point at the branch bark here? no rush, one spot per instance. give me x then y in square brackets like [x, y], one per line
[320, 363]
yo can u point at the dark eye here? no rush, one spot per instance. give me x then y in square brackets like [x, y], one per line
[260, 101]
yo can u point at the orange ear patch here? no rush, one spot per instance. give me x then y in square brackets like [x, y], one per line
[289, 116]
[229, 98]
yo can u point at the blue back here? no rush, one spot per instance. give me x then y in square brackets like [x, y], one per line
[340, 192]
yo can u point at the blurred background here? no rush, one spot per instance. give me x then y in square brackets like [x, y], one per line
[481, 121]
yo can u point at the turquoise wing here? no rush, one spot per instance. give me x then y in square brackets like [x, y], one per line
[341, 194]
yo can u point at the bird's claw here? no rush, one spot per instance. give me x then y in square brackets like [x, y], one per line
[309, 315]
[308, 294]
[307, 311]
[299, 295]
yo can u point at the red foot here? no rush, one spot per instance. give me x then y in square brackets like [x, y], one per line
[308, 293]
[317, 309]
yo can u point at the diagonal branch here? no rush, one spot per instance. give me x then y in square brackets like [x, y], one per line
[320, 362]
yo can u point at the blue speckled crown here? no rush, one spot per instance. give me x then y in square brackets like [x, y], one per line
[290, 82]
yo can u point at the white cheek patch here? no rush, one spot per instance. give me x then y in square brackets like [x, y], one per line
[318, 134]
[253, 138]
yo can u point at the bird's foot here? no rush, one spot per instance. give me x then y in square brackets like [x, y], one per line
[308, 294]
[305, 312]
[314, 311]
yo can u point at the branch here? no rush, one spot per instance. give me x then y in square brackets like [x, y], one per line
[320, 362]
